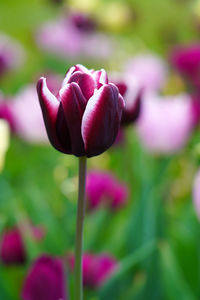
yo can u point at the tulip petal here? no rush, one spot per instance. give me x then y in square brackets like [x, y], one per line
[85, 82]
[50, 109]
[101, 119]
[72, 70]
[73, 103]
[100, 77]
[130, 114]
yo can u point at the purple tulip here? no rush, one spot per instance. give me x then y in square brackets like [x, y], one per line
[186, 59]
[166, 122]
[97, 269]
[104, 188]
[45, 280]
[196, 193]
[132, 97]
[12, 248]
[85, 116]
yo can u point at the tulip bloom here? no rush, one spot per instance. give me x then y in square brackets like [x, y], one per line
[165, 123]
[149, 70]
[97, 269]
[186, 60]
[85, 116]
[45, 280]
[30, 127]
[104, 188]
[12, 248]
[12, 54]
[75, 35]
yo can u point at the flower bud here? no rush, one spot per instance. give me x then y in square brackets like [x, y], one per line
[97, 269]
[45, 280]
[104, 189]
[84, 118]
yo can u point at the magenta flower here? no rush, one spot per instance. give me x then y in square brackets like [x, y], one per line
[45, 280]
[165, 123]
[186, 59]
[97, 269]
[196, 193]
[12, 54]
[12, 248]
[85, 116]
[104, 189]
[149, 70]
[29, 127]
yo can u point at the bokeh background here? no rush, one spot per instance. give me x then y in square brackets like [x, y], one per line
[153, 234]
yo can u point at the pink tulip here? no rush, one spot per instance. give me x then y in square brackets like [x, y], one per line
[165, 123]
[97, 269]
[45, 280]
[12, 54]
[26, 112]
[104, 189]
[84, 118]
[149, 70]
[74, 35]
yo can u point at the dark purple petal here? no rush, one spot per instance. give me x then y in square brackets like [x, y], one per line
[73, 104]
[131, 113]
[122, 87]
[101, 119]
[86, 83]
[45, 280]
[50, 110]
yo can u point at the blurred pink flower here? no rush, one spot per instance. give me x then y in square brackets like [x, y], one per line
[196, 193]
[104, 189]
[28, 116]
[149, 70]
[165, 123]
[97, 269]
[74, 36]
[186, 59]
[12, 249]
[12, 55]
[45, 280]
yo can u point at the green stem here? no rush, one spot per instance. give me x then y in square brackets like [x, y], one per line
[78, 288]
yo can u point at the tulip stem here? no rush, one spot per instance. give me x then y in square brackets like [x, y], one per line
[78, 288]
